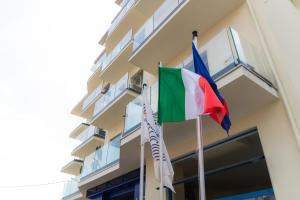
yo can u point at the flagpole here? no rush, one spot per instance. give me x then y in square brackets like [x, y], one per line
[142, 162]
[201, 176]
[161, 156]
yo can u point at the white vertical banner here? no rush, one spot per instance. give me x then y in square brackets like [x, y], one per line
[151, 132]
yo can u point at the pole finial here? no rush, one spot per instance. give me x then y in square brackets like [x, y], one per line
[195, 34]
[159, 64]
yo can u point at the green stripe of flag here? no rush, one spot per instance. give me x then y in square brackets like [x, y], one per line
[171, 97]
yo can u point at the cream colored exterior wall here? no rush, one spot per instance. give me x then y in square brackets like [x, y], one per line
[280, 149]
[279, 24]
[275, 131]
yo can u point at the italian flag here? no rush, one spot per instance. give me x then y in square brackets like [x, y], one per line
[184, 95]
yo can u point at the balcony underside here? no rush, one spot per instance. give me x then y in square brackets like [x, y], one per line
[88, 146]
[88, 112]
[174, 34]
[79, 129]
[73, 167]
[77, 109]
[114, 111]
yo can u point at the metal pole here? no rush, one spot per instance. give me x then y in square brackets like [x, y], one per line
[161, 156]
[142, 162]
[142, 171]
[201, 175]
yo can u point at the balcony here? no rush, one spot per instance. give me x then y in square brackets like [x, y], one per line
[79, 129]
[171, 26]
[122, 15]
[93, 80]
[132, 122]
[110, 67]
[89, 102]
[132, 15]
[111, 106]
[71, 191]
[91, 138]
[97, 163]
[73, 167]
[241, 72]
[107, 163]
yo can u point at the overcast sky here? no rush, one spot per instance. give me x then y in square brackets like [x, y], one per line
[47, 48]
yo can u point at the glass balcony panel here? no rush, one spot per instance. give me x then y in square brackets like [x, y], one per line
[109, 96]
[114, 91]
[133, 114]
[164, 10]
[154, 21]
[125, 8]
[143, 33]
[115, 52]
[88, 165]
[124, 2]
[113, 152]
[106, 61]
[126, 40]
[217, 53]
[121, 85]
[70, 187]
[130, 4]
[92, 97]
[102, 157]
[251, 55]
[87, 133]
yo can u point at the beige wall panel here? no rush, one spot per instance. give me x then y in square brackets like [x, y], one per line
[281, 151]
[279, 21]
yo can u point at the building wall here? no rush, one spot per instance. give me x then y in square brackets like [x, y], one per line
[280, 149]
[278, 22]
[275, 131]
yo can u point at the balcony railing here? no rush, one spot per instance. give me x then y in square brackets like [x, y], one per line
[99, 63]
[227, 50]
[128, 4]
[101, 158]
[133, 111]
[160, 15]
[221, 54]
[96, 93]
[89, 132]
[106, 59]
[114, 92]
[71, 187]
